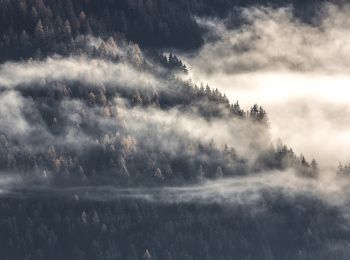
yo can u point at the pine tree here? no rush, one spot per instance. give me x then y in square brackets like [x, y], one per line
[314, 168]
[67, 30]
[84, 23]
[39, 30]
[219, 173]
[147, 255]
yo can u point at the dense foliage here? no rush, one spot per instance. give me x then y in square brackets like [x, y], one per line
[110, 148]
[47, 26]
[118, 154]
[36, 229]
[62, 137]
[343, 170]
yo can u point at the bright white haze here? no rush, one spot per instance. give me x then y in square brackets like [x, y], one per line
[298, 72]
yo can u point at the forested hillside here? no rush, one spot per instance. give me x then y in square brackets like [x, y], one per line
[35, 27]
[121, 133]
[110, 151]
[130, 229]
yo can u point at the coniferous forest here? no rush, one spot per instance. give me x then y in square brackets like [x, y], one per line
[109, 149]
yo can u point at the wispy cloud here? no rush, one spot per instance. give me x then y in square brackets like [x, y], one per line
[78, 68]
[297, 71]
[255, 191]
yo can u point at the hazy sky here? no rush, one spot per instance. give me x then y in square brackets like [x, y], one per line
[299, 73]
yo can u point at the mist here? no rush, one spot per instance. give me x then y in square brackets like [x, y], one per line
[299, 72]
[78, 68]
[296, 71]
[174, 129]
[254, 191]
[246, 190]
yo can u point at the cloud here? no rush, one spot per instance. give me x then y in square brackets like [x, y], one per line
[255, 191]
[11, 117]
[241, 190]
[73, 126]
[299, 72]
[273, 39]
[259, 62]
[8, 182]
[168, 129]
[78, 68]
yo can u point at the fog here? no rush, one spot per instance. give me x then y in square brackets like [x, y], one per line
[77, 68]
[241, 190]
[255, 191]
[168, 129]
[21, 119]
[298, 72]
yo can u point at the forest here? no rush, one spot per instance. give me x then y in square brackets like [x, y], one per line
[40, 27]
[109, 150]
[51, 228]
[107, 146]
